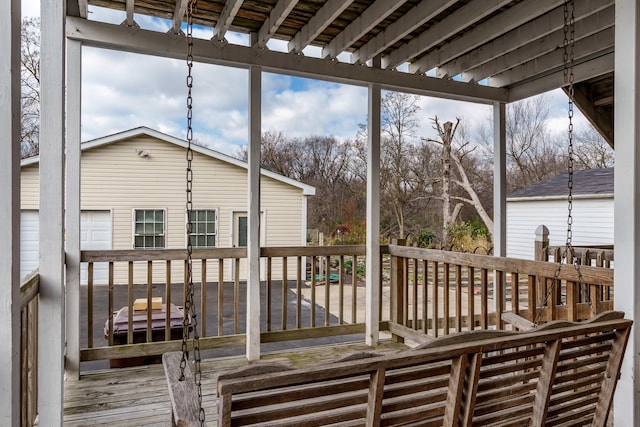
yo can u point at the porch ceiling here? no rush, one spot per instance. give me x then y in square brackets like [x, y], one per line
[489, 50]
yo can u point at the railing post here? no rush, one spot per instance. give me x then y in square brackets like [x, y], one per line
[541, 247]
[397, 288]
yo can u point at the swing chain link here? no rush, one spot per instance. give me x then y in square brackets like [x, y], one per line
[568, 44]
[190, 320]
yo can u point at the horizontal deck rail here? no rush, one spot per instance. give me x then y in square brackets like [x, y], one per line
[29, 290]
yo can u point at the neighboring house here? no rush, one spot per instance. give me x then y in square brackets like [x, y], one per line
[133, 196]
[545, 203]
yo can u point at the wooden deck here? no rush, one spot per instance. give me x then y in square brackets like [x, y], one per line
[139, 396]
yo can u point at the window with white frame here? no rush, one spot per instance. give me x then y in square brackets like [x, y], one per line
[204, 224]
[148, 228]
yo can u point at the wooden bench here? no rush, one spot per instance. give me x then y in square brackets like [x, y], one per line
[559, 374]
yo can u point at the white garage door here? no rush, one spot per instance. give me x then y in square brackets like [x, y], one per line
[95, 234]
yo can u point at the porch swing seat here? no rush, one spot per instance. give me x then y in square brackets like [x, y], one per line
[561, 373]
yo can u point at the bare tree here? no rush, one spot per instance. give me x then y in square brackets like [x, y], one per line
[591, 151]
[458, 176]
[30, 87]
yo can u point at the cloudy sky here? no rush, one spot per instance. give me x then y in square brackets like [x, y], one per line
[122, 91]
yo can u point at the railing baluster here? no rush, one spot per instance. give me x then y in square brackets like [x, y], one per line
[515, 293]
[414, 295]
[220, 297]
[405, 292]
[285, 292]
[499, 285]
[434, 298]
[445, 297]
[458, 298]
[532, 303]
[90, 306]
[236, 297]
[203, 298]
[269, 295]
[484, 300]
[314, 265]
[110, 303]
[299, 293]
[354, 289]
[341, 290]
[425, 296]
[327, 291]
[471, 279]
[149, 297]
[130, 304]
[167, 299]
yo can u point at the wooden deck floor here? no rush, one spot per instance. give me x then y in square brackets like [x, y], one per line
[139, 397]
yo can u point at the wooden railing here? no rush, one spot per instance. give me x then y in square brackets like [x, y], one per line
[29, 289]
[468, 291]
[423, 292]
[296, 303]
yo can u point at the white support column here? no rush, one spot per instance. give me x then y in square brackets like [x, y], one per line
[52, 137]
[499, 186]
[10, 213]
[372, 314]
[499, 180]
[627, 203]
[72, 211]
[253, 226]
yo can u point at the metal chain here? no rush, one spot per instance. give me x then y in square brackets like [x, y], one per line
[568, 60]
[190, 319]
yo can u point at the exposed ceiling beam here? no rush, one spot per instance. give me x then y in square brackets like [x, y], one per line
[584, 48]
[360, 26]
[278, 14]
[227, 15]
[168, 45]
[599, 118]
[448, 27]
[421, 13]
[321, 20]
[584, 28]
[178, 15]
[494, 27]
[473, 62]
[587, 70]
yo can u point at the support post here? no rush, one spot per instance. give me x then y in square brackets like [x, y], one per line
[51, 304]
[398, 278]
[72, 212]
[253, 226]
[372, 313]
[627, 202]
[499, 193]
[10, 212]
[541, 244]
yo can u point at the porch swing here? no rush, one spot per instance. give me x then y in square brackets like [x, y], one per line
[354, 389]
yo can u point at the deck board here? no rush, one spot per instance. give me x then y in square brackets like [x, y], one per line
[139, 397]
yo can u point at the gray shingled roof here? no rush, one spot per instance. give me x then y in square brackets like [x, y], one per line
[585, 182]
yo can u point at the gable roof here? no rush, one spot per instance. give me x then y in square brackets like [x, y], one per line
[307, 190]
[589, 182]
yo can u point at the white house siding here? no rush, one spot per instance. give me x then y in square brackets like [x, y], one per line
[592, 223]
[116, 178]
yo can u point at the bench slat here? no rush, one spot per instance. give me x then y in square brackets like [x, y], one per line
[183, 394]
